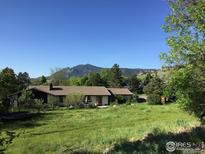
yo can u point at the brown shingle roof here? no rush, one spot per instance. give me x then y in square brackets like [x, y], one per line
[120, 91]
[65, 90]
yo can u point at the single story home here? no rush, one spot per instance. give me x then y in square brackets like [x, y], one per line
[98, 95]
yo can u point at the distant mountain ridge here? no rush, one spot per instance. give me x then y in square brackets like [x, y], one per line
[82, 70]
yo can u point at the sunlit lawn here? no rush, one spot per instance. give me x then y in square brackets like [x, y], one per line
[93, 130]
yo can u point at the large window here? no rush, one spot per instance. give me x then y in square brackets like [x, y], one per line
[61, 99]
[88, 99]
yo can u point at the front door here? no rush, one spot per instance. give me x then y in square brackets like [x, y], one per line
[99, 100]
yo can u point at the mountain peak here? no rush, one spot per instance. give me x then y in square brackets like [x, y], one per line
[84, 65]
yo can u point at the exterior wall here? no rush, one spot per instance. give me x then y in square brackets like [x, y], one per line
[53, 99]
[61, 99]
[94, 99]
[104, 100]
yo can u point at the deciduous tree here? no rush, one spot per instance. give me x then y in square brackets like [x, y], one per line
[8, 85]
[186, 28]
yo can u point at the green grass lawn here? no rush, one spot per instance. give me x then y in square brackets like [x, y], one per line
[93, 130]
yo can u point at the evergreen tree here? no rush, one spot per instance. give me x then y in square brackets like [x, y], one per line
[134, 84]
[155, 86]
[94, 79]
[147, 79]
[43, 79]
[154, 90]
[105, 76]
[116, 79]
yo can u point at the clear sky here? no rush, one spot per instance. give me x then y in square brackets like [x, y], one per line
[37, 35]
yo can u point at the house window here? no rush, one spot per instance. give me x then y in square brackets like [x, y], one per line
[88, 99]
[61, 99]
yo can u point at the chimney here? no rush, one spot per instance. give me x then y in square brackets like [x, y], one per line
[51, 86]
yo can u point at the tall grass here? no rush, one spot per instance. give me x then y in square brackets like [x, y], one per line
[93, 130]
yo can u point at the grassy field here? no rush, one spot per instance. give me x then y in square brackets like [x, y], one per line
[92, 130]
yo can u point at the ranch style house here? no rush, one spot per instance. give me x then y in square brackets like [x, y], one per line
[98, 95]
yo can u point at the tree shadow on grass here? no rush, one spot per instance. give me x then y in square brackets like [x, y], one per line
[18, 120]
[77, 151]
[156, 142]
[9, 122]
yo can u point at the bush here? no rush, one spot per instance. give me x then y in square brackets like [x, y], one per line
[134, 98]
[128, 102]
[113, 103]
[90, 105]
[38, 104]
[25, 100]
[75, 100]
[120, 99]
[47, 107]
[154, 99]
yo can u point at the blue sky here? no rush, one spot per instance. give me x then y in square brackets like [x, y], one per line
[37, 35]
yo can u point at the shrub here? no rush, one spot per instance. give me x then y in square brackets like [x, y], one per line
[90, 105]
[134, 98]
[25, 100]
[47, 107]
[113, 103]
[120, 99]
[75, 100]
[154, 99]
[128, 102]
[38, 104]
